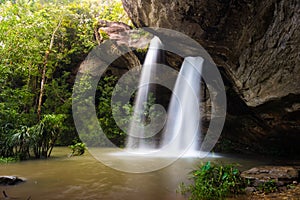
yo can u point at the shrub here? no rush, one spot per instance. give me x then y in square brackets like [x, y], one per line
[8, 160]
[104, 111]
[78, 149]
[268, 186]
[213, 181]
[44, 134]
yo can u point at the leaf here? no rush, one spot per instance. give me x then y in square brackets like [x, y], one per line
[207, 166]
[225, 175]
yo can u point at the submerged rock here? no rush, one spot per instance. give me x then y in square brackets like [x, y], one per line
[282, 175]
[10, 180]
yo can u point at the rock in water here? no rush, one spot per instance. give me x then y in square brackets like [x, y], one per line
[282, 175]
[10, 180]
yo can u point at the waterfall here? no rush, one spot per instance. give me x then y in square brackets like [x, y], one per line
[139, 137]
[182, 129]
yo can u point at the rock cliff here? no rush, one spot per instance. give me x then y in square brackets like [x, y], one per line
[256, 46]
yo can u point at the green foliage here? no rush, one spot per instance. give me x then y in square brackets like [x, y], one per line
[268, 187]
[213, 181]
[20, 140]
[78, 149]
[25, 32]
[142, 50]
[291, 186]
[103, 34]
[7, 160]
[122, 112]
[110, 128]
[45, 134]
[38, 139]
[4, 160]
[26, 29]
[113, 11]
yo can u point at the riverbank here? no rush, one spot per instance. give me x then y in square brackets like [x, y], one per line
[288, 194]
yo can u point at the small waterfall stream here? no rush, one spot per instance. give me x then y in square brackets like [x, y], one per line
[138, 134]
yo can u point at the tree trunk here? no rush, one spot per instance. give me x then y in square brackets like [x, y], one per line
[39, 109]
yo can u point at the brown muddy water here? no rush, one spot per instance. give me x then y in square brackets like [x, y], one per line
[85, 178]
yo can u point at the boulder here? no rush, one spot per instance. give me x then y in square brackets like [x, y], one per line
[119, 40]
[282, 175]
[123, 34]
[10, 180]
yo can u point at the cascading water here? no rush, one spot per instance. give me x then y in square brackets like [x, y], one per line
[182, 129]
[138, 138]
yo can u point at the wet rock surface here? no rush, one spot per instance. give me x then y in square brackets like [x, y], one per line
[286, 183]
[10, 180]
[288, 194]
[281, 175]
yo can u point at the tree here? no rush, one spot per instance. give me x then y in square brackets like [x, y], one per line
[39, 53]
[39, 109]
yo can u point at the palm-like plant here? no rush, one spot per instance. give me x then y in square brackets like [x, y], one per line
[20, 140]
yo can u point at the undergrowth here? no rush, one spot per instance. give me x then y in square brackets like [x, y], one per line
[213, 181]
